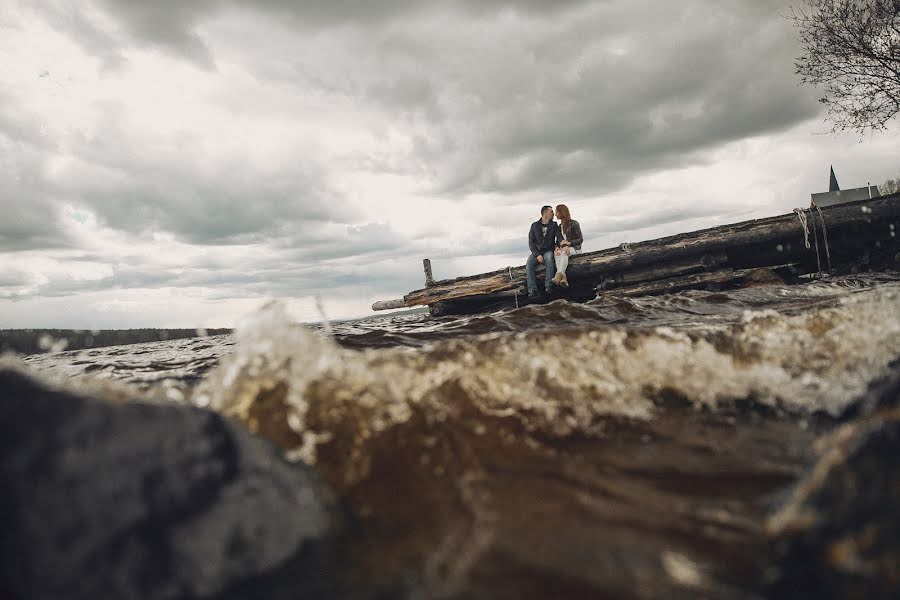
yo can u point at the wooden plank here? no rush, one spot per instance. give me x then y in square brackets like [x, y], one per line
[784, 230]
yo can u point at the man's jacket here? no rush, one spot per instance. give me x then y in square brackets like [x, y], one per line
[540, 243]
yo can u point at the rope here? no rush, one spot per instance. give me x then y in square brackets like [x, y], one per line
[802, 216]
[824, 235]
[516, 296]
[816, 237]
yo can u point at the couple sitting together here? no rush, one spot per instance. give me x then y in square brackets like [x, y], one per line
[551, 245]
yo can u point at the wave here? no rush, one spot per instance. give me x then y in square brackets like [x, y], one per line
[304, 390]
[624, 448]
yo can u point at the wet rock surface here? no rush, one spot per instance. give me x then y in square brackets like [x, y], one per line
[837, 535]
[149, 501]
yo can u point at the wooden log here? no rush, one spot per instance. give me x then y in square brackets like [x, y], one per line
[389, 304]
[722, 277]
[865, 248]
[781, 230]
[675, 268]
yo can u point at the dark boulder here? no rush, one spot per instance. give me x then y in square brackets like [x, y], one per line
[837, 535]
[150, 501]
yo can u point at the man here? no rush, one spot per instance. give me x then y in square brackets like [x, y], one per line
[543, 238]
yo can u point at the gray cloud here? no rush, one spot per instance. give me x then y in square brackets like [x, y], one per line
[30, 213]
[614, 224]
[367, 242]
[172, 25]
[174, 191]
[12, 279]
[130, 189]
[492, 101]
[677, 91]
[71, 19]
[568, 101]
[279, 275]
[511, 96]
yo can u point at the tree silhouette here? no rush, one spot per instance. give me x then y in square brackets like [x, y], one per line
[851, 49]
[890, 186]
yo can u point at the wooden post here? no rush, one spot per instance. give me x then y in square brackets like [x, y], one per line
[429, 278]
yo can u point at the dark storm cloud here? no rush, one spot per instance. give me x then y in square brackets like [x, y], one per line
[580, 123]
[511, 96]
[171, 24]
[551, 102]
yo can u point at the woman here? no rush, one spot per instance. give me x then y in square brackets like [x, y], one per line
[570, 245]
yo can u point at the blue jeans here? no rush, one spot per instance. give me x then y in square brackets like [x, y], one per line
[530, 267]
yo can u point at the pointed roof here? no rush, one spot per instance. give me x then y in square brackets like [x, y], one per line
[832, 183]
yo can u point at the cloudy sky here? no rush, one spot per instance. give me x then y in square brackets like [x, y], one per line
[175, 164]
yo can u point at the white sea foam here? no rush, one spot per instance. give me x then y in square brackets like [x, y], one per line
[557, 383]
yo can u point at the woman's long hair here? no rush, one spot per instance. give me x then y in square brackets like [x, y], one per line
[562, 211]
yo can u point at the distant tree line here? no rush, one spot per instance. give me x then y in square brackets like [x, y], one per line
[35, 341]
[891, 186]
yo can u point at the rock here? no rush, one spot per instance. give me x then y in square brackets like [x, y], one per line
[837, 536]
[883, 394]
[150, 501]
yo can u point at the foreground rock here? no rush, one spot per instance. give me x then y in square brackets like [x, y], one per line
[836, 537]
[149, 501]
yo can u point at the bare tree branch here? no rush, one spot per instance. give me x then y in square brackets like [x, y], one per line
[851, 48]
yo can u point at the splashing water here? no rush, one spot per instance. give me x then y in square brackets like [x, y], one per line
[558, 382]
[624, 447]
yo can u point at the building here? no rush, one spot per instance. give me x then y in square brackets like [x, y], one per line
[835, 195]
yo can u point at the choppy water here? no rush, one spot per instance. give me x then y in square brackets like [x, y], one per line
[620, 448]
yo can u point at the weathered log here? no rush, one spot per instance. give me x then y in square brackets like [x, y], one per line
[722, 277]
[783, 234]
[685, 266]
[389, 304]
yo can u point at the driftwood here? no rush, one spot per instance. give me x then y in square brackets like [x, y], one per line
[853, 231]
[389, 304]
